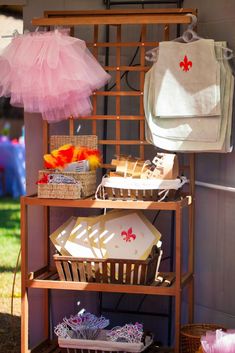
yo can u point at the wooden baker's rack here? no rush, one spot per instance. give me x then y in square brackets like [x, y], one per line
[46, 278]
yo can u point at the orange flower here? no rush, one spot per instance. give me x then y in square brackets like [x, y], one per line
[94, 161]
[75, 154]
[82, 154]
[50, 161]
[66, 154]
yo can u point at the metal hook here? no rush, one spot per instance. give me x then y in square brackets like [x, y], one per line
[228, 53]
[13, 35]
[193, 23]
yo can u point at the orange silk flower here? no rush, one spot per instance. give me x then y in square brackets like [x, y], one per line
[68, 153]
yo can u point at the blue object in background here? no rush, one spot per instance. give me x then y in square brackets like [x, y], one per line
[12, 159]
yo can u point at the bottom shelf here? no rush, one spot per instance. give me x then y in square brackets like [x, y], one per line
[47, 347]
[52, 347]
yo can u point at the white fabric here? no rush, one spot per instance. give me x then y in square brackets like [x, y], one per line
[190, 129]
[223, 143]
[188, 88]
[142, 184]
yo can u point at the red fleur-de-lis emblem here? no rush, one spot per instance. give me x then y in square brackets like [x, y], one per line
[186, 64]
[128, 236]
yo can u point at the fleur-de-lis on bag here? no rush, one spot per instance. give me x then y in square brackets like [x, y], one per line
[128, 236]
[186, 64]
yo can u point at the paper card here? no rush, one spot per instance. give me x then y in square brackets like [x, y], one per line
[60, 236]
[79, 243]
[125, 235]
[117, 234]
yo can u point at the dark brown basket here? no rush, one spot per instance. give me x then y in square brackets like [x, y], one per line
[120, 271]
[191, 336]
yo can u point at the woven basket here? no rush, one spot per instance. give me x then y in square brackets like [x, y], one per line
[90, 141]
[87, 179]
[139, 189]
[191, 336]
[101, 344]
[121, 271]
[60, 191]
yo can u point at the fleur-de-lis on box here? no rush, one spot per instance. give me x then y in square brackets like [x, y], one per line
[186, 64]
[128, 236]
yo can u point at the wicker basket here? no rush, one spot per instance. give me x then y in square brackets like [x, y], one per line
[102, 345]
[120, 271]
[90, 141]
[59, 191]
[87, 179]
[191, 336]
[139, 189]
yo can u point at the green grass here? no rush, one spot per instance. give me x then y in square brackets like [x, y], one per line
[9, 246]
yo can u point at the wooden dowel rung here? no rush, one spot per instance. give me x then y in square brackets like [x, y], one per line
[127, 68]
[113, 117]
[104, 272]
[135, 273]
[112, 272]
[67, 271]
[89, 272]
[123, 44]
[120, 272]
[81, 267]
[97, 272]
[60, 270]
[122, 142]
[143, 274]
[118, 93]
[74, 271]
[128, 273]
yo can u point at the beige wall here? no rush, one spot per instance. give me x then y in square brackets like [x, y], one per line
[215, 221]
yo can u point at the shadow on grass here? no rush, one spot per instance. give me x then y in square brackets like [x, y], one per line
[9, 333]
[9, 269]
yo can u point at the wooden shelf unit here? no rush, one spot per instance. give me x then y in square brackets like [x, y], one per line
[46, 278]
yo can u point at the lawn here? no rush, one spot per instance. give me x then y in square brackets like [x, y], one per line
[9, 250]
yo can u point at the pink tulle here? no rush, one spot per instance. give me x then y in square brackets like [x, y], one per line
[218, 342]
[50, 73]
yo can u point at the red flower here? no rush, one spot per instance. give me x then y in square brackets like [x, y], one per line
[44, 179]
[186, 64]
[128, 236]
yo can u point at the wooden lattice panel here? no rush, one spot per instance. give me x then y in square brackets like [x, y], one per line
[114, 121]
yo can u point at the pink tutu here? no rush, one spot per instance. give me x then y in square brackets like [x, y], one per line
[50, 73]
[218, 342]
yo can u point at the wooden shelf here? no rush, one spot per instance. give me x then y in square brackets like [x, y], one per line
[33, 200]
[46, 278]
[52, 347]
[50, 280]
[114, 17]
[46, 346]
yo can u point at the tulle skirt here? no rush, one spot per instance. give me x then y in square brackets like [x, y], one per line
[219, 342]
[50, 73]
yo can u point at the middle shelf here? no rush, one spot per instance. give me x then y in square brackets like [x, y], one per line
[90, 202]
[48, 279]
